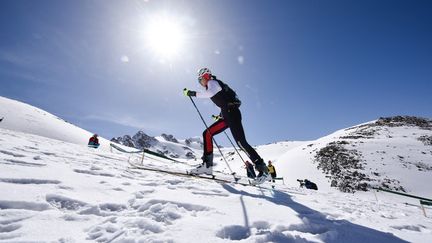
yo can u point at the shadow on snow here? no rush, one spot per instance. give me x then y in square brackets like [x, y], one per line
[316, 223]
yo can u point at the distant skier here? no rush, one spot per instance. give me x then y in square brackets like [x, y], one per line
[226, 99]
[272, 170]
[1, 119]
[308, 184]
[94, 141]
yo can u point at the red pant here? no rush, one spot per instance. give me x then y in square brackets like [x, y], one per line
[214, 129]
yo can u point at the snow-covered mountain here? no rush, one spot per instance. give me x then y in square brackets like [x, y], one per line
[18, 116]
[165, 144]
[391, 152]
[55, 189]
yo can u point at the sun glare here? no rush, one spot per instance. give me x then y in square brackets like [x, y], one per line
[164, 36]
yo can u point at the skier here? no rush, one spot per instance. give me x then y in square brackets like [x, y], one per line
[94, 141]
[226, 99]
[272, 170]
[308, 184]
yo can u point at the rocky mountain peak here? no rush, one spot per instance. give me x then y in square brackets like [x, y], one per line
[169, 138]
[398, 121]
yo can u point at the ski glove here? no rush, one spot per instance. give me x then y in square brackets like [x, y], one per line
[187, 92]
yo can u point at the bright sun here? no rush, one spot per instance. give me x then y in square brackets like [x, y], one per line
[164, 36]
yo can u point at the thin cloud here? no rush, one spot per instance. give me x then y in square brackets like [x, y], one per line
[20, 60]
[26, 76]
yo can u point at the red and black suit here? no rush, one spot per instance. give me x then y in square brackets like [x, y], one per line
[224, 97]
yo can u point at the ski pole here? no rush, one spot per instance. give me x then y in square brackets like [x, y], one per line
[205, 124]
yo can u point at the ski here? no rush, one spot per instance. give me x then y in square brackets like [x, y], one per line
[187, 174]
[241, 180]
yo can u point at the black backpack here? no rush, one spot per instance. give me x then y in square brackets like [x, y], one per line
[229, 93]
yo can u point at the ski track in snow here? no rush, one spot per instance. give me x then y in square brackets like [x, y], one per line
[54, 191]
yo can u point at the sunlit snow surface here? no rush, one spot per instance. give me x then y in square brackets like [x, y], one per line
[52, 190]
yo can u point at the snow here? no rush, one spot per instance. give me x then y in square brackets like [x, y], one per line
[55, 188]
[25, 118]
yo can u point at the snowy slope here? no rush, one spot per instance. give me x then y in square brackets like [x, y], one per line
[392, 155]
[54, 188]
[64, 192]
[25, 118]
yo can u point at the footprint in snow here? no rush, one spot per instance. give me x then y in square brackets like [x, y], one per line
[260, 231]
[143, 193]
[30, 147]
[49, 154]
[21, 163]
[11, 223]
[151, 184]
[16, 155]
[95, 173]
[234, 232]
[65, 203]
[31, 206]
[151, 217]
[414, 228]
[68, 204]
[167, 211]
[118, 189]
[211, 193]
[28, 181]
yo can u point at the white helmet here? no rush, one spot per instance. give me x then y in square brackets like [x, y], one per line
[204, 72]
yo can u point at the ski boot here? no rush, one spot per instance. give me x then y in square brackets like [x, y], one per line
[263, 174]
[205, 168]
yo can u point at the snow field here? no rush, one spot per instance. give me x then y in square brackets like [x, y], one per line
[57, 191]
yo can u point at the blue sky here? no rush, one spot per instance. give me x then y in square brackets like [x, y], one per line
[303, 69]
